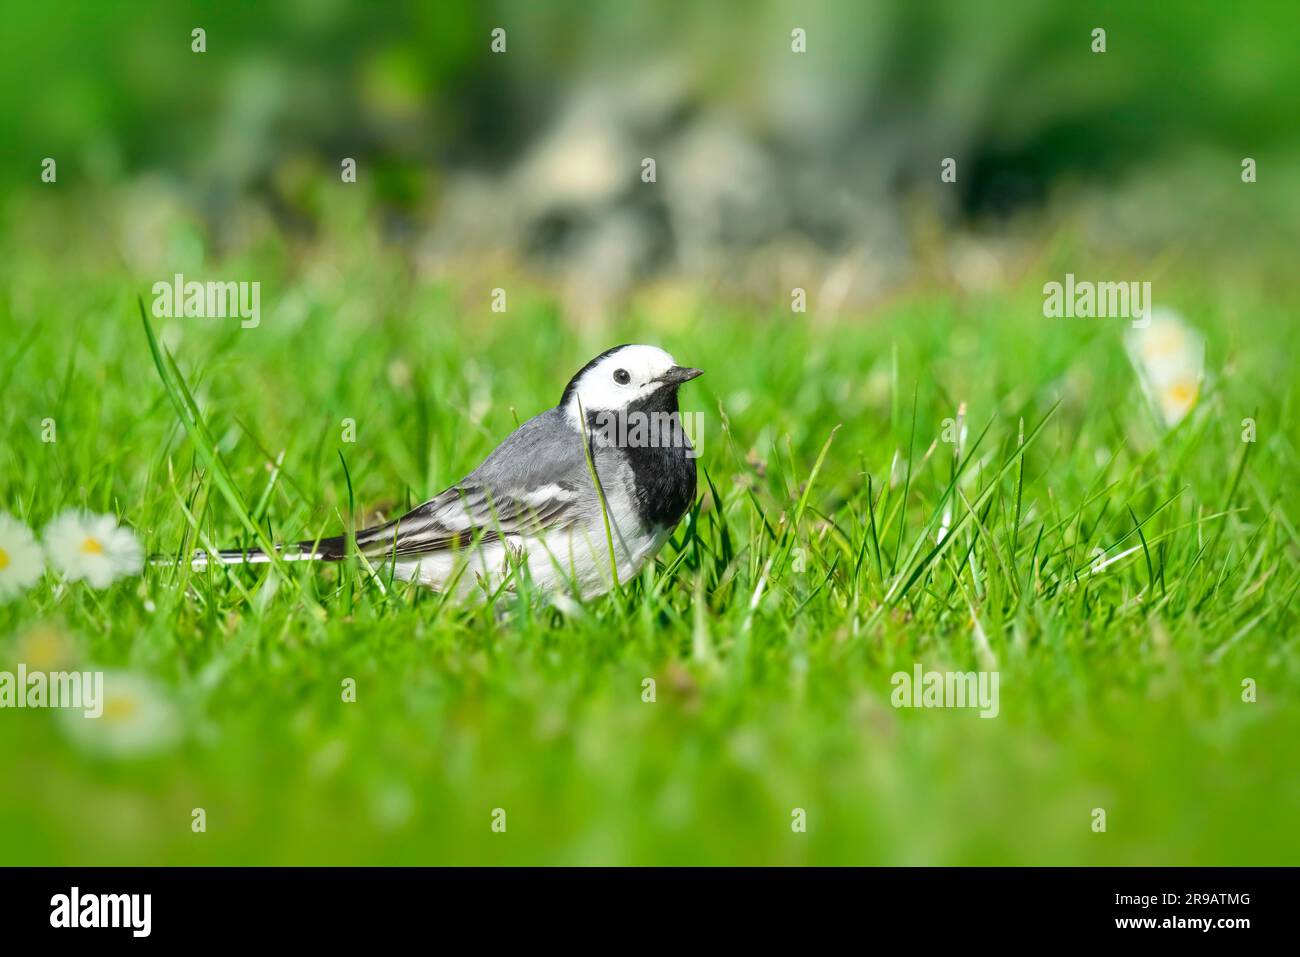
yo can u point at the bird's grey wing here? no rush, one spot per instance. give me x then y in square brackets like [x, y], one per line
[536, 481]
[466, 515]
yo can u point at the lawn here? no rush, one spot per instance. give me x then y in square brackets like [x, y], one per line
[812, 570]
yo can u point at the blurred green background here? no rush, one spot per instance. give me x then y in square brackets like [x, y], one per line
[775, 170]
[777, 166]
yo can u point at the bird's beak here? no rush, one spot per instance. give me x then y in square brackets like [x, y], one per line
[679, 374]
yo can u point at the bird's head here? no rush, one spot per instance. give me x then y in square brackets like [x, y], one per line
[624, 375]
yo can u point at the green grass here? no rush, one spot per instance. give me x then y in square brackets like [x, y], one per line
[807, 575]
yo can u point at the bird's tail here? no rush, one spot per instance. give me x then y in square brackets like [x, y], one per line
[325, 550]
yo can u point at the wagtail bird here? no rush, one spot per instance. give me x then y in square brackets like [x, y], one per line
[581, 493]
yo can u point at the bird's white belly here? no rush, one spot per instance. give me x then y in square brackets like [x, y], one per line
[572, 561]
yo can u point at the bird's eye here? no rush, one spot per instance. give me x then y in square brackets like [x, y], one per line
[622, 377]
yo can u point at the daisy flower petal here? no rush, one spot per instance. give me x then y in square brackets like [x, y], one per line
[21, 563]
[93, 547]
[1169, 358]
[136, 718]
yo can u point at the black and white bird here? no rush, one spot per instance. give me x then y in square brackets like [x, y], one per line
[533, 501]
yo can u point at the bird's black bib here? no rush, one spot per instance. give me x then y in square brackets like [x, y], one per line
[650, 434]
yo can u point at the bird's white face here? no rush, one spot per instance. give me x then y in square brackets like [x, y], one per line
[614, 381]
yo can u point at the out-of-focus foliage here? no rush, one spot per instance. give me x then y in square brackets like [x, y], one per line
[759, 142]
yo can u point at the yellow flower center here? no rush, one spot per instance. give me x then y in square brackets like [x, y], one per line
[92, 546]
[4, 559]
[1182, 393]
[44, 648]
[120, 708]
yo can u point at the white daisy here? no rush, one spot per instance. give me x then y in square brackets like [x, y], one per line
[1169, 357]
[21, 563]
[138, 718]
[93, 547]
